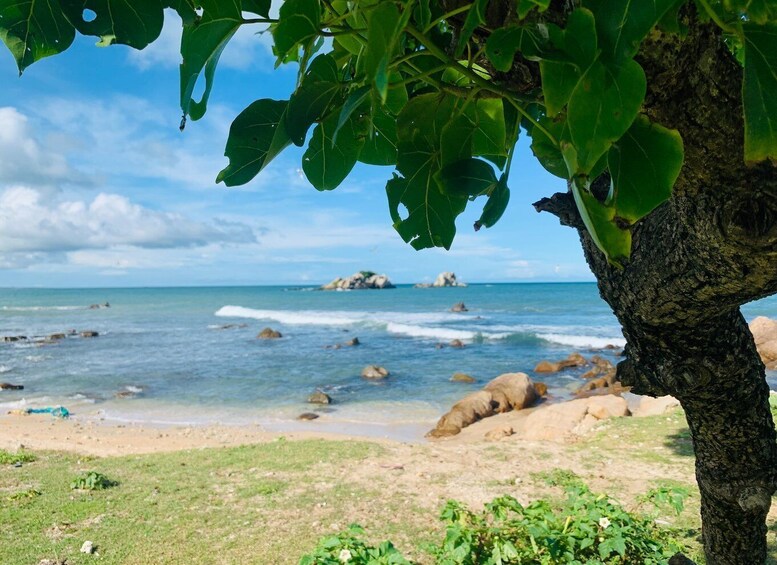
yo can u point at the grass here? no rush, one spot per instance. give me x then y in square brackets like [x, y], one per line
[270, 503]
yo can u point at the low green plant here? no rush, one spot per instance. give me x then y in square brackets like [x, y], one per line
[8, 458]
[25, 494]
[92, 480]
[349, 547]
[585, 528]
[667, 495]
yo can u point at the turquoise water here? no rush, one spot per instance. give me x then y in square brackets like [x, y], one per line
[168, 344]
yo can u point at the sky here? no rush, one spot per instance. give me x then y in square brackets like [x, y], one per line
[98, 188]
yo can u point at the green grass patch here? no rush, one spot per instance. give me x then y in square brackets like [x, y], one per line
[8, 458]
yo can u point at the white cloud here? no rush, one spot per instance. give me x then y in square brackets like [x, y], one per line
[23, 159]
[30, 223]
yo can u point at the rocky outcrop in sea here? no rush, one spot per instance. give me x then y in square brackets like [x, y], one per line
[359, 281]
[443, 279]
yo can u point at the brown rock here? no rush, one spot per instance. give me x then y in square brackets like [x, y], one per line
[649, 406]
[496, 434]
[374, 372]
[457, 343]
[319, 397]
[125, 394]
[307, 416]
[574, 360]
[462, 378]
[14, 338]
[541, 388]
[469, 409]
[9, 386]
[764, 332]
[353, 342]
[547, 367]
[576, 417]
[54, 337]
[89, 333]
[511, 391]
[459, 307]
[269, 333]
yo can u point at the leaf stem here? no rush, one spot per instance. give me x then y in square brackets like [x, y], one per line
[259, 21]
[450, 14]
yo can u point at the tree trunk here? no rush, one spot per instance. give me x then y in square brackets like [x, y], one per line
[695, 260]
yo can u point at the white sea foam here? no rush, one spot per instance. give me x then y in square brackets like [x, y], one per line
[429, 332]
[39, 308]
[5, 369]
[583, 340]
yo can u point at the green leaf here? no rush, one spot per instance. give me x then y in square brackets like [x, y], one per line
[319, 89]
[383, 31]
[623, 24]
[757, 11]
[644, 165]
[526, 6]
[548, 154]
[602, 107]
[478, 130]
[599, 220]
[475, 17]
[431, 213]
[33, 30]
[380, 147]
[261, 7]
[256, 137]
[505, 42]
[558, 82]
[495, 205]
[326, 163]
[299, 21]
[758, 92]
[396, 97]
[201, 46]
[468, 177]
[129, 22]
[355, 100]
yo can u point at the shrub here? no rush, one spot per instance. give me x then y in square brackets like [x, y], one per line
[8, 458]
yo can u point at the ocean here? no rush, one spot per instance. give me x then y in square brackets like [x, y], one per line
[186, 356]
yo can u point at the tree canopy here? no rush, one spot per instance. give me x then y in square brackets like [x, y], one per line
[441, 91]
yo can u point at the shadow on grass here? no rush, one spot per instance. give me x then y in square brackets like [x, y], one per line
[680, 443]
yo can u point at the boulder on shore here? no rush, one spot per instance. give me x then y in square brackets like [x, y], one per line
[764, 332]
[307, 416]
[649, 406]
[375, 372]
[269, 333]
[359, 281]
[574, 417]
[511, 391]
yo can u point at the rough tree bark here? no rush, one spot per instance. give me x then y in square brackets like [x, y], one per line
[695, 261]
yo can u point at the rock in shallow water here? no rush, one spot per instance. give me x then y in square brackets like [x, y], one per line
[319, 397]
[269, 333]
[307, 416]
[375, 372]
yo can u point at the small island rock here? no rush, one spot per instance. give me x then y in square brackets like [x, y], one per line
[459, 307]
[447, 279]
[269, 333]
[359, 281]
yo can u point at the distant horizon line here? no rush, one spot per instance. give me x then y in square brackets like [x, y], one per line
[295, 284]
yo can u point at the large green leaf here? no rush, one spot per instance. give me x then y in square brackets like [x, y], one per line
[758, 92]
[319, 89]
[34, 29]
[623, 24]
[601, 108]
[186, 9]
[468, 177]
[644, 165]
[526, 6]
[201, 46]
[327, 162]
[477, 130]
[495, 205]
[261, 7]
[380, 147]
[298, 22]
[256, 137]
[549, 154]
[383, 31]
[505, 42]
[129, 22]
[431, 213]
[600, 222]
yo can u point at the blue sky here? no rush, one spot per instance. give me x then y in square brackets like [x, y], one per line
[99, 188]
